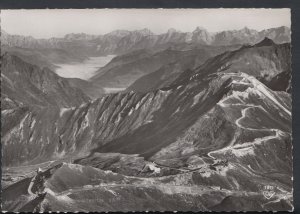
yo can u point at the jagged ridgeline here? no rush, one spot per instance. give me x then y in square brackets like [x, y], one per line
[205, 128]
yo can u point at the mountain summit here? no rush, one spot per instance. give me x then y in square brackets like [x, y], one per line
[123, 41]
[205, 125]
[265, 42]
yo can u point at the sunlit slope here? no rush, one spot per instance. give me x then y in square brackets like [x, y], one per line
[218, 135]
[72, 187]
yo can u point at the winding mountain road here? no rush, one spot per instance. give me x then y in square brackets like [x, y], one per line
[261, 90]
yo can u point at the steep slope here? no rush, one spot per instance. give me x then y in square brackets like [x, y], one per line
[135, 120]
[216, 136]
[124, 74]
[240, 149]
[44, 57]
[123, 70]
[30, 85]
[268, 61]
[264, 60]
[89, 88]
[127, 123]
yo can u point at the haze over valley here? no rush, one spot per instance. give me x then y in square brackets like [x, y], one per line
[136, 120]
[83, 70]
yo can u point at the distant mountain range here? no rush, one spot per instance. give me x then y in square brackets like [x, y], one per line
[122, 41]
[212, 112]
[124, 69]
[139, 52]
[115, 121]
[269, 62]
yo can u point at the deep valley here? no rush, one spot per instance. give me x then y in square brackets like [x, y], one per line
[192, 121]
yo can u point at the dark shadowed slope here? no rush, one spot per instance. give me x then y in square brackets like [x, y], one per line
[268, 61]
[264, 61]
[217, 134]
[48, 58]
[91, 89]
[31, 85]
[44, 57]
[123, 70]
[141, 123]
[224, 134]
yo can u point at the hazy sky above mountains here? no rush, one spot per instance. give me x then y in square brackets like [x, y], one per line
[57, 23]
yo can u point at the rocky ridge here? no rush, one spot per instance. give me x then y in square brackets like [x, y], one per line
[121, 41]
[212, 132]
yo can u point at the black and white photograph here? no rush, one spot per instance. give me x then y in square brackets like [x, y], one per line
[146, 110]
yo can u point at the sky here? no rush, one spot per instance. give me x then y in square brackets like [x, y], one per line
[47, 23]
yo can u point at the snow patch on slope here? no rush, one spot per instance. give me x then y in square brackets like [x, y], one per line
[63, 110]
[197, 97]
[261, 88]
[243, 151]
